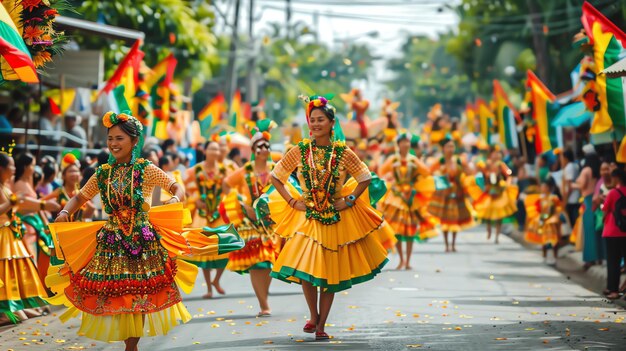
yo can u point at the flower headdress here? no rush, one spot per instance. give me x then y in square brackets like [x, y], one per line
[70, 158]
[317, 101]
[405, 135]
[9, 149]
[111, 119]
[261, 132]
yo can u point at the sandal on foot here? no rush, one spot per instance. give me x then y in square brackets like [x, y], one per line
[264, 314]
[309, 327]
[613, 295]
[321, 336]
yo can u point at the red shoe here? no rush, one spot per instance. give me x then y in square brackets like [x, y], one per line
[321, 336]
[309, 327]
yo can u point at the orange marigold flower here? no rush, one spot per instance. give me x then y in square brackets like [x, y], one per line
[30, 4]
[51, 12]
[32, 32]
[41, 58]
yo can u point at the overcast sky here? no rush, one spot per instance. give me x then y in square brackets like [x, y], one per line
[393, 20]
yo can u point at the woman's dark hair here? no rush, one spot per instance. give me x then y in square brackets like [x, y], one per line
[328, 112]
[234, 152]
[164, 160]
[130, 128]
[4, 160]
[551, 183]
[620, 174]
[49, 170]
[569, 155]
[167, 143]
[593, 162]
[103, 157]
[21, 162]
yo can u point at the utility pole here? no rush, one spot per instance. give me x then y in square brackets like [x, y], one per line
[251, 82]
[231, 69]
[539, 42]
[288, 19]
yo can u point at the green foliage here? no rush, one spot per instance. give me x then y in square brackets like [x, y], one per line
[177, 26]
[298, 64]
[496, 34]
[427, 74]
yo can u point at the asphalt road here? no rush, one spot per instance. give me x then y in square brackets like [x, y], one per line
[484, 297]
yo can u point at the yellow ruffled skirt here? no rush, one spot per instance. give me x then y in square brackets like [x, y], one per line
[333, 257]
[452, 209]
[409, 220]
[497, 206]
[543, 232]
[22, 287]
[137, 311]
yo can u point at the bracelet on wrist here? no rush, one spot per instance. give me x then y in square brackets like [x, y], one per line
[64, 211]
[42, 205]
[13, 199]
[176, 197]
[348, 203]
[289, 202]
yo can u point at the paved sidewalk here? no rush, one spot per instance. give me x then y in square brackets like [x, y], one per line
[485, 297]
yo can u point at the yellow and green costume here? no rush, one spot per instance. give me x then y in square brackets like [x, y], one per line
[123, 275]
[330, 249]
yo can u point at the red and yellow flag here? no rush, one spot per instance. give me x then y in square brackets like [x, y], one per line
[127, 75]
[16, 62]
[544, 110]
[506, 116]
[604, 97]
[215, 108]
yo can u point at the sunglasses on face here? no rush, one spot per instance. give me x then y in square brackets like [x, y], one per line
[263, 146]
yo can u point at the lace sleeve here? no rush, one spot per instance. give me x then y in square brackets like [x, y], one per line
[357, 169]
[287, 164]
[90, 189]
[155, 175]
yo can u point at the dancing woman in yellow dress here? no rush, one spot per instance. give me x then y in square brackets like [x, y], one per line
[499, 198]
[255, 227]
[22, 287]
[403, 208]
[450, 203]
[123, 275]
[330, 227]
[204, 186]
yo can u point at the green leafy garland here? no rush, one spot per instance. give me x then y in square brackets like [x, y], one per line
[256, 190]
[327, 215]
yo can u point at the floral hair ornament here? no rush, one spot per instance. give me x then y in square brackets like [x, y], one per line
[9, 149]
[70, 158]
[261, 132]
[317, 101]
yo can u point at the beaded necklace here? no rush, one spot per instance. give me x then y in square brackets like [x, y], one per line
[321, 173]
[117, 194]
[210, 188]
[254, 181]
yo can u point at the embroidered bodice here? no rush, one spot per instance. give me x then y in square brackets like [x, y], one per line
[321, 171]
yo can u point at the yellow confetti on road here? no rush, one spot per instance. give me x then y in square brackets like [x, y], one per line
[458, 328]
[414, 346]
[215, 325]
[268, 342]
[603, 329]
[219, 318]
[500, 339]
[491, 277]
[59, 341]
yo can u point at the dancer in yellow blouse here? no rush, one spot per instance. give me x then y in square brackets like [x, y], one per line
[450, 202]
[543, 222]
[123, 275]
[404, 207]
[330, 226]
[204, 186]
[254, 226]
[22, 287]
[499, 198]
